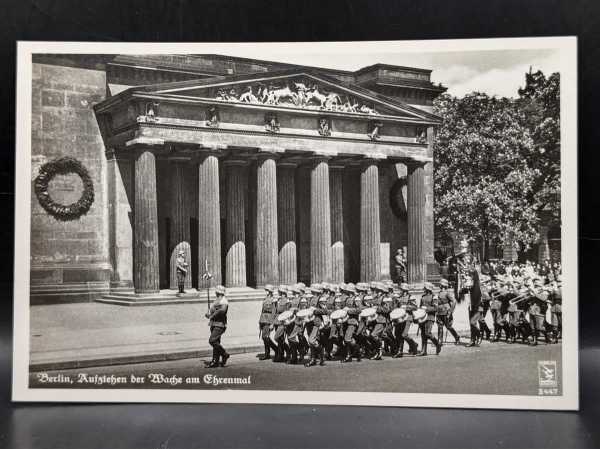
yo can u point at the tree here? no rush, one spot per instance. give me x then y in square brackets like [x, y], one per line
[482, 182]
[540, 102]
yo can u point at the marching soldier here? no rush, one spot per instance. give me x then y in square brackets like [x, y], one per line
[217, 316]
[486, 297]
[266, 322]
[401, 329]
[445, 309]
[181, 271]
[378, 326]
[556, 310]
[350, 327]
[282, 351]
[429, 303]
[313, 329]
[293, 328]
[537, 312]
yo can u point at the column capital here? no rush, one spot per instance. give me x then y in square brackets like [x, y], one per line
[289, 162]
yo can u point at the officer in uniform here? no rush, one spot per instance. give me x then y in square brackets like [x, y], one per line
[445, 310]
[181, 271]
[556, 310]
[217, 316]
[282, 305]
[266, 322]
[405, 301]
[429, 303]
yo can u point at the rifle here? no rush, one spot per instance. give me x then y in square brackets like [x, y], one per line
[207, 276]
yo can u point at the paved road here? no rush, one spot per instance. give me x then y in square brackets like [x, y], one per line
[493, 368]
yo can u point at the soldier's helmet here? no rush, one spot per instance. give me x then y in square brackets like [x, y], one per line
[322, 299]
[316, 289]
[404, 287]
[428, 286]
[220, 290]
[338, 300]
[283, 289]
[269, 288]
[444, 282]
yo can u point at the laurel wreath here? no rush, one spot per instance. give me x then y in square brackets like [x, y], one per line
[64, 166]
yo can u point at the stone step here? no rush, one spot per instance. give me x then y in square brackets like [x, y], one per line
[169, 297]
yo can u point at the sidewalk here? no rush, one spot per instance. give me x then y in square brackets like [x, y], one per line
[66, 336]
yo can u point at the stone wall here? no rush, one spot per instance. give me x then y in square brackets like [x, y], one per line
[69, 259]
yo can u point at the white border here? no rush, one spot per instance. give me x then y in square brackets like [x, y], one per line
[567, 48]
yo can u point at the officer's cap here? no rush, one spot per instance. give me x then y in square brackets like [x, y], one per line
[220, 290]
[269, 288]
[283, 288]
[428, 286]
[444, 282]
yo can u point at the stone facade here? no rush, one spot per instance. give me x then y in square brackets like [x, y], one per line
[166, 179]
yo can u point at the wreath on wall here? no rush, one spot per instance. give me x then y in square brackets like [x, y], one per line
[396, 197]
[64, 166]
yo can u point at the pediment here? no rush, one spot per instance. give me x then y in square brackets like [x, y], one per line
[292, 90]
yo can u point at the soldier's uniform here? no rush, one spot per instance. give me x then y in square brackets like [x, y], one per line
[484, 306]
[266, 322]
[538, 317]
[429, 303]
[378, 326]
[350, 327]
[336, 335]
[293, 329]
[181, 270]
[445, 309]
[401, 329]
[556, 313]
[217, 316]
[314, 330]
[282, 351]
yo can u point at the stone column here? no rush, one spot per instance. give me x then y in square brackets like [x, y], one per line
[336, 181]
[266, 258]
[286, 222]
[145, 242]
[179, 239]
[235, 258]
[320, 223]
[416, 219]
[209, 219]
[370, 233]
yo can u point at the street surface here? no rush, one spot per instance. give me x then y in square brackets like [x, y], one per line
[493, 368]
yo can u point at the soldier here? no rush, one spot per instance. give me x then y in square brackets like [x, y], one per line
[556, 310]
[181, 271]
[350, 327]
[302, 341]
[429, 303]
[217, 316]
[400, 265]
[336, 336]
[266, 322]
[538, 314]
[484, 306]
[495, 307]
[405, 301]
[282, 351]
[377, 327]
[317, 292]
[445, 310]
[313, 329]
[293, 328]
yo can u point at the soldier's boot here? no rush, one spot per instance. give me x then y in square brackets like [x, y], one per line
[438, 345]
[224, 357]
[214, 363]
[356, 351]
[440, 334]
[400, 353]
[329, 349]
[485, 329]
[267, 353]
[294, 354]
[455, 335]
[547, 337]
[534, 341]
[423, 347]
[322, 356]
[313, 358]
[413, 347]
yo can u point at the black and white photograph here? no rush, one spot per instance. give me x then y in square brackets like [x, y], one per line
[367, 223]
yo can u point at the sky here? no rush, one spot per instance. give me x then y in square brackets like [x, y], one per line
[494, 72]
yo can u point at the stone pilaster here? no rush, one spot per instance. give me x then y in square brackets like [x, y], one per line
[266, 257]
[146, 267]
[286, 222]
[336, 180]
[120, 197]
[416, 223]
[235, 258]
[370, 234]
[320, 224]
[209, 219]
[179, 239]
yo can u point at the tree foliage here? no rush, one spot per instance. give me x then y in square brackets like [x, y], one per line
[497, 162]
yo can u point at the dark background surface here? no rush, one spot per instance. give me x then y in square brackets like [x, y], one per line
[196, 426]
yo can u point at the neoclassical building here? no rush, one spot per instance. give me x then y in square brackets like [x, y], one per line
[260, 172]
